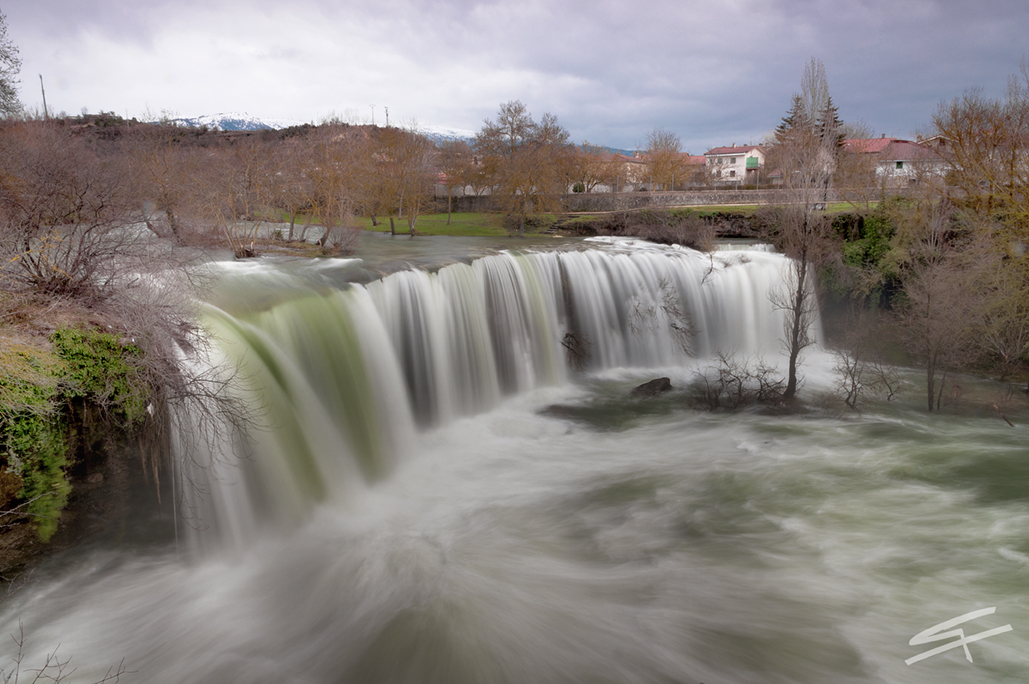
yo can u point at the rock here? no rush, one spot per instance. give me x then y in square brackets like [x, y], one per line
[558, 411]
[652, 388]
[95, 478]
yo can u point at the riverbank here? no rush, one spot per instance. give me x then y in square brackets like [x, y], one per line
[73, 413]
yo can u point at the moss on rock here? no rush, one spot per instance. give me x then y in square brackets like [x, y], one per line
[45, 396]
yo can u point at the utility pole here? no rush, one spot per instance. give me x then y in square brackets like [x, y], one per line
[373, 114]
[387, 116]
[46, 117]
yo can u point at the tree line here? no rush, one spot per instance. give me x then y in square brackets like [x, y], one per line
[940, 271]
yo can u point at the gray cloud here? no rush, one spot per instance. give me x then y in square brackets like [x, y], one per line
[714, 72]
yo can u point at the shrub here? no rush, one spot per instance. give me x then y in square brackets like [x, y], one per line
[33, 443]
[103, 368]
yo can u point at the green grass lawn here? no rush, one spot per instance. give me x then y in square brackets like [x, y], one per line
[486, 224]
[472, 224]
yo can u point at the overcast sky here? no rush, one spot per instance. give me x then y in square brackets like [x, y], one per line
[715, 72]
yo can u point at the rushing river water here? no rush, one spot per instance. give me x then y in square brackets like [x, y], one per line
[415, 509]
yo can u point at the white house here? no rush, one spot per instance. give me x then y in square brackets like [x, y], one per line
[741, 165]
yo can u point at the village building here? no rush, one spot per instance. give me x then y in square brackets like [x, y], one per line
[897, 162]
[739, 165]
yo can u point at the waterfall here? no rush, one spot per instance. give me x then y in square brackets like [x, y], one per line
[343, 379]
[433, 493]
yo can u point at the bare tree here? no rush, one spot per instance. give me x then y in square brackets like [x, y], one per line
[735, 383]
[455, 162]
[859, 366]
[807, 144]
[404, 173]
[52, 669]
[290, 180]
[10, 65]
[339, 179]
[165, 177]
[65, 218]
[664, 159]
[591, 166]
[984, 143]
[943, 300]
[526, 162]
[240, 191]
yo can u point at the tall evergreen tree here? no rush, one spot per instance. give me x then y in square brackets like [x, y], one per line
[796, 119]
[830, 127]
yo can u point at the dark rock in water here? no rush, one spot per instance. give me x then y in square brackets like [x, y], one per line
[559, 411]
[652, 388]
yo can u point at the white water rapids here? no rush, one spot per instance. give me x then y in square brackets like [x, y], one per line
[409, 512]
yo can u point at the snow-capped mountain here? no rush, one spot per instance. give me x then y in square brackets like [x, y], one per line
[236, 121]
[443, 133]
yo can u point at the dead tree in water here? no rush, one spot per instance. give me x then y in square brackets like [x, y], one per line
[806, 148]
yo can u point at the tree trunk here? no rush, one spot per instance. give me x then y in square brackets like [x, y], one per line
[173, 222]
[392, 227]
[797, 328]
[930, 380]
[150, 226]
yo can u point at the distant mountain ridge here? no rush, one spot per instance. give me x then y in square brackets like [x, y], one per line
[241, 121]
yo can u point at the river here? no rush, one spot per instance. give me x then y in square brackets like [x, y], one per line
[434, 493]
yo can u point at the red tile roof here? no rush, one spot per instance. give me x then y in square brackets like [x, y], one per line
[890, 149]
[740, 149]
[869, 145]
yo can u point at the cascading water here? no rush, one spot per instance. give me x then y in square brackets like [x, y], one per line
[341, 375]
[405, 512]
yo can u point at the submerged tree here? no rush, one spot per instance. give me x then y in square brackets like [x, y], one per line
[339, 181]
[943, 301]
[165, 176]
[807, 144]
[239, 194]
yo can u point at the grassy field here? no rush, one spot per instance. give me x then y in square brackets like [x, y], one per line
[831, 208]
[472, 224]
[485, 224]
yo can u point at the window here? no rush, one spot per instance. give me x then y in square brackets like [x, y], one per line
[732, 174]
[732, 160]
[900, 165]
